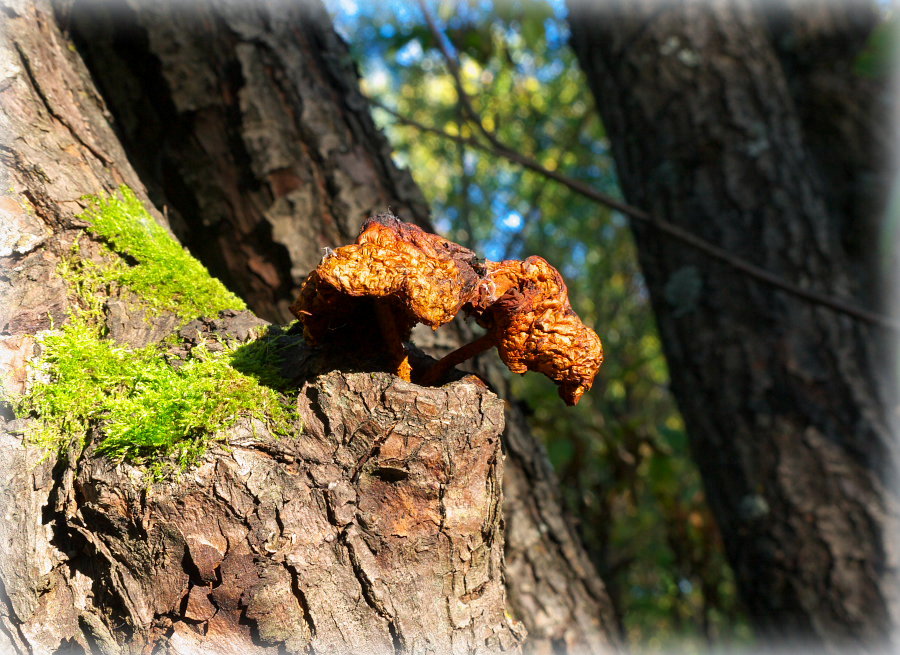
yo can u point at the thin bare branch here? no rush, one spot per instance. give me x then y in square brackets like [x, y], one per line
[535, 213]
[465, 101]
[688, 238]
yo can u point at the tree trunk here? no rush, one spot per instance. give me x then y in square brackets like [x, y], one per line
[376, 529]
[712, 129]
[229, 554]
[261, 147]
[256, 138]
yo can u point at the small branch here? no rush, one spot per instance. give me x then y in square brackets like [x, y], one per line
[458, 356]
[535, 212]
[713, 251]
[465, 211]
[453, 66]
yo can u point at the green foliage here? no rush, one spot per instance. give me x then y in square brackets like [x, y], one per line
[148, 406]
[878, 57]
[150, 262]
[622, 453]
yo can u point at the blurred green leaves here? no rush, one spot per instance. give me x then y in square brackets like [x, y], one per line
[880, 53]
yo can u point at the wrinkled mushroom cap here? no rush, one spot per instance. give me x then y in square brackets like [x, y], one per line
[526, 304]
[419, 277]
[422, 277]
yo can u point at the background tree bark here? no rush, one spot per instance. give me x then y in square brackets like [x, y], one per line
[263, 159]
[262, 149]
[751, 129]
[255, 139]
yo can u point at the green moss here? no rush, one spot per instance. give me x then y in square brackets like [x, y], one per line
[148, 410]
[261, 359]
[151, 263]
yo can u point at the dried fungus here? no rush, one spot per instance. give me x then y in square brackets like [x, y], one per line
[401, 275]
[525, 305]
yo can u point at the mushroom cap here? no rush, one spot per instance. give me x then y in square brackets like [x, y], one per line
[526, 305]
[421, 277]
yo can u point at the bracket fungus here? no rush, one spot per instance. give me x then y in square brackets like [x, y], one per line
[401, 275]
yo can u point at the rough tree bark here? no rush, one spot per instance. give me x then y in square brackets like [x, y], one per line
[752, 130]
[262, 149]
[89, 559]
[376, 529]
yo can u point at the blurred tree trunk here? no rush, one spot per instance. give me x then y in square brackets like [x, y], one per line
[751, 128]
[244, 124]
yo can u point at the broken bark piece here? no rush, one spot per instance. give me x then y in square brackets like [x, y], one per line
[198, 607]
[400, 275]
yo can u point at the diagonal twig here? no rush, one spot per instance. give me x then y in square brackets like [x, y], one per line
[453, 66]
[496, 147]
[684, 236]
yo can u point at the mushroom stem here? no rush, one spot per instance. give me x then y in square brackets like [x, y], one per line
[458, 356]
[392, 341]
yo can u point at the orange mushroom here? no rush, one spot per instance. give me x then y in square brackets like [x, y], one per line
[412, 277]
[524, 305]
[396, 271]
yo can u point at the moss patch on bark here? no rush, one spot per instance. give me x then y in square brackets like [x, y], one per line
[150, 263]
[149, 406]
